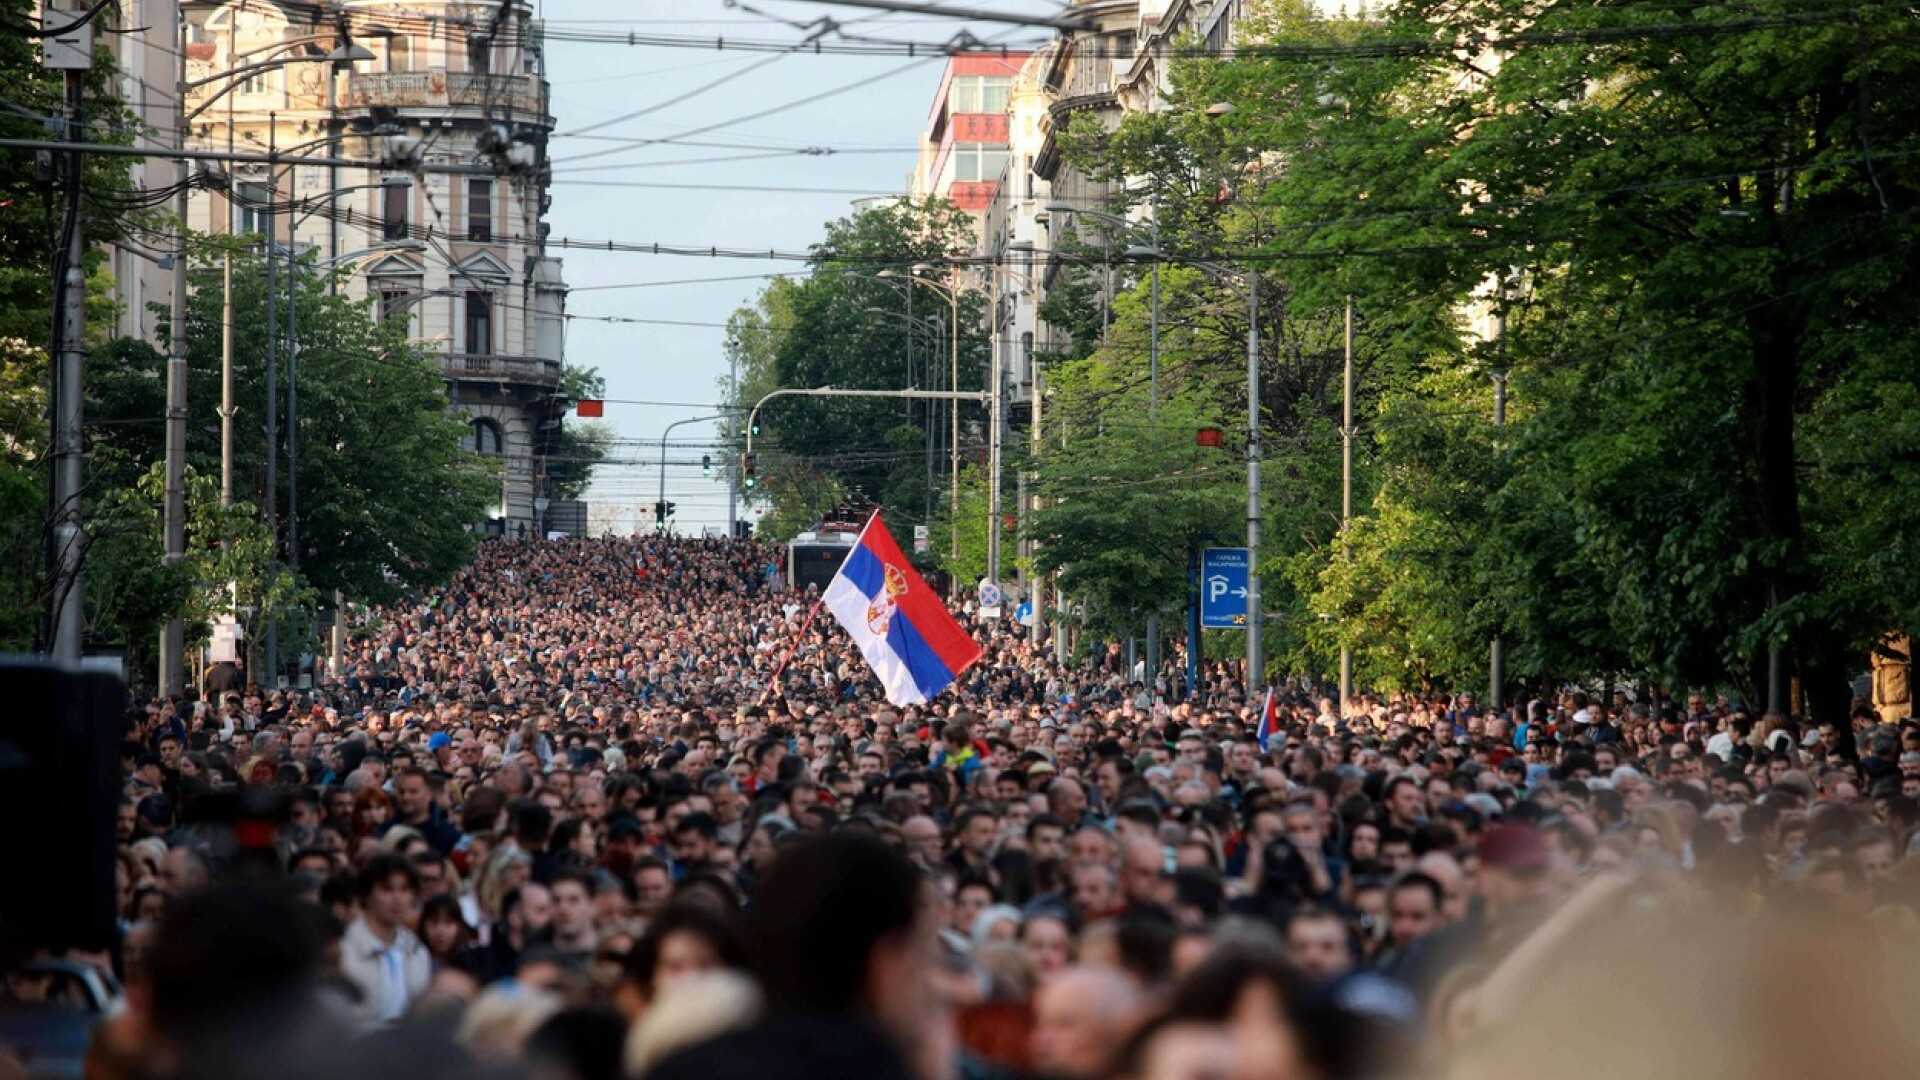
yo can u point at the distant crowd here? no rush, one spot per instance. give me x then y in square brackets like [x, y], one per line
[558, 820]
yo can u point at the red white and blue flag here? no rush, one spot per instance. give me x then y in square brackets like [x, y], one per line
[907, 635]
[1269, 722]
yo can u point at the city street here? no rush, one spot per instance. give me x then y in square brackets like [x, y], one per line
[948, 540]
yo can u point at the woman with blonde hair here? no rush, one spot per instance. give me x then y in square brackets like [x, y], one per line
[1764, 734]
[505, 870]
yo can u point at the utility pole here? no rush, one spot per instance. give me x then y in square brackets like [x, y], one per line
[68, 538]
[226, 372]
[273, 414]
[733, 424]
[953, 444]
[1034, 428]
[1496, 652]
[1346, 486]
[1256, 612]
[226, 326]
[993, 433]
[173, 636]
[1153, 417]
[293, 375]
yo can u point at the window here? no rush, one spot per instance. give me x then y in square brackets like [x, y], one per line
[979, 94]
[976, 162]
[480, 210]
[479, 323]
[252, 203]
[395, 200]
[260, 82]
[487, 440]
[399, 53]
[393, 303]
[479, 55]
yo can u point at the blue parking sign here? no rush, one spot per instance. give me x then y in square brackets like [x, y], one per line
[1223, 589]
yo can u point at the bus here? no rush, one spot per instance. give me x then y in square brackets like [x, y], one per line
[813, 558]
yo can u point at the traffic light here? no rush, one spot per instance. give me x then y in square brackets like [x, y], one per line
[755, 429]
[660, 511]
[706, 464]
[747, 469]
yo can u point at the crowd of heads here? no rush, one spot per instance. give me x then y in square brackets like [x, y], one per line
[605, 808]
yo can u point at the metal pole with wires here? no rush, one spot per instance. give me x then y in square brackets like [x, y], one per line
[173, 635]
[273, 413]
[66, 612]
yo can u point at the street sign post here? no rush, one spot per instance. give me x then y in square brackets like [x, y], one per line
[1223, 589]
[990, 597]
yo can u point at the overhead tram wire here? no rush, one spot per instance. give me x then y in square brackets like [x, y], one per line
[798, 151]
[1385, 49]
[676, 99]
[785, 106]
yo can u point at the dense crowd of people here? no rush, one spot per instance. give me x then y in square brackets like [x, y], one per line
[618, 808]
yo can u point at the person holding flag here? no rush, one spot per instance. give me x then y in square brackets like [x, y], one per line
[902, 628]
[1269, 724]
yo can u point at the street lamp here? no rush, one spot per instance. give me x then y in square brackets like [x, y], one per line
[914, 325]
[1256, 617]
[1151, 251]
[662, 505]
[173, 635]
[952, 293]
[996, 405]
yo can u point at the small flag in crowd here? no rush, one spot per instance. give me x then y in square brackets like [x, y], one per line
[1269, 722]
[907, 635]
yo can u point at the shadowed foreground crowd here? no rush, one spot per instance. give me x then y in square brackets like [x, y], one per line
[556, 822]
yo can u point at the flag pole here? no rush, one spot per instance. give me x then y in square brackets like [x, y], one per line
[792, 647]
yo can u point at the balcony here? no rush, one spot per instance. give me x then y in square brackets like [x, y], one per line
[436, 89]
[518, 369]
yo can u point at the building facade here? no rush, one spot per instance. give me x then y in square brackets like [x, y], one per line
[442, 109]
[149, 75]
[965, 146]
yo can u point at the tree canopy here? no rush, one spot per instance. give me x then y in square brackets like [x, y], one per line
[864, 319]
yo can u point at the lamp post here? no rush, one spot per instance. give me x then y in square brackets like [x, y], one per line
[952, 294]
[662, 507]
[173, 635]
[1256, 617]
[996, 421]
[1152, 250]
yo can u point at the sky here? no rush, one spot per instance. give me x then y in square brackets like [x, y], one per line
[679, 357]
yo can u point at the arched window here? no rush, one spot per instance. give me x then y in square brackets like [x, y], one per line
[487, 440]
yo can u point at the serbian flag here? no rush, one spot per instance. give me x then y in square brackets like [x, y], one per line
[1269, 722]
[901, 626]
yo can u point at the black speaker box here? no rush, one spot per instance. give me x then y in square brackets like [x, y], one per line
[60, 783]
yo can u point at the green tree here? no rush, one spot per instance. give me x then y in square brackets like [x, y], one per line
[846, 326]
[581, 447]
[1706, 220]
[387, 495]
[30, 226]
[1213, 196]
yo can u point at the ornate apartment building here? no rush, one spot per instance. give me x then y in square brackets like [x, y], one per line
[443, 108]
